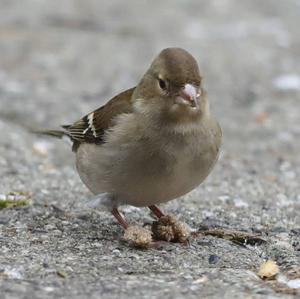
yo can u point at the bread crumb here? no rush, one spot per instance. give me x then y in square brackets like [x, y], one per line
[268, 270]
[138, 236]
[168, 228]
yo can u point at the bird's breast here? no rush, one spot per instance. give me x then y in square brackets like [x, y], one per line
[143, 170]
[149, 172]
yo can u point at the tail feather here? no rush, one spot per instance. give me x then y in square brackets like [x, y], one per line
[54, 133]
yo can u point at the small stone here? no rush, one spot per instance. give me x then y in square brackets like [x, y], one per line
[116, 252]
[12, 273]
[287, 82]
[41, 148]
[213, 259]
[4, 219]
[202, 279]
[239, 203]
[61, 273]
[294, 283]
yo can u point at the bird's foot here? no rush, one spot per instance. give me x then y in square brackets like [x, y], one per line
[168, 228]
[138, 236]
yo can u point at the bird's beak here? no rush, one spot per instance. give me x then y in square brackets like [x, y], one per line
[188, 95]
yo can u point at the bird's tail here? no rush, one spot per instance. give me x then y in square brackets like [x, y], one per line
[54, 133]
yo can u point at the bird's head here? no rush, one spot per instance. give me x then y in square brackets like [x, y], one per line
[172, 88]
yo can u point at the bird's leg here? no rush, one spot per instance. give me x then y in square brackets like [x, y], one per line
[156, 211]
[121, 220]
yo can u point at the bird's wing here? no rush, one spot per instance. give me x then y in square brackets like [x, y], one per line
[91, 128]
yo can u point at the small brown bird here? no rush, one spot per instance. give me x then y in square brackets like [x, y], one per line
[151, 143]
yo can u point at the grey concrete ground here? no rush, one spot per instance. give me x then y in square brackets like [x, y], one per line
[59, 59]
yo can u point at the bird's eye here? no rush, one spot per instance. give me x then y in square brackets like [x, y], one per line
[162, 84]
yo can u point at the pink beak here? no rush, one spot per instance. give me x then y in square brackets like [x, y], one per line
[188, 94]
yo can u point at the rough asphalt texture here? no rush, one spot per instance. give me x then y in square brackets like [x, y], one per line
[60, 59]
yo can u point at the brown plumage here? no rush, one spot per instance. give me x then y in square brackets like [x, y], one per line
[101, 119]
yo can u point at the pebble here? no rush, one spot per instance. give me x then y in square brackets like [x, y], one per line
[4, 219]
[287, 82]
[294, 283]
[213, 259]
[41, 148]
[13, 273]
